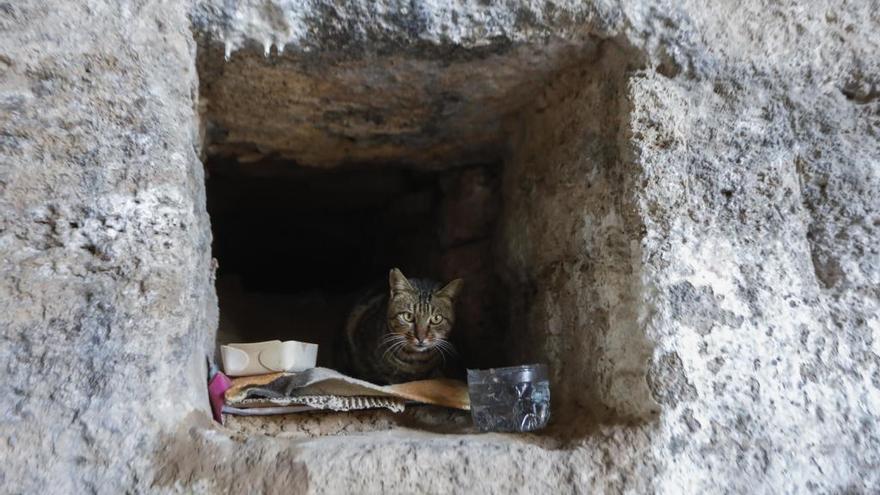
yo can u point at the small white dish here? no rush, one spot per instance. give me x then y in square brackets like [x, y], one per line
[272, 356]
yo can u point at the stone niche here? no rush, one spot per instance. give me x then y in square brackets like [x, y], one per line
[505, 165]
[296, 245]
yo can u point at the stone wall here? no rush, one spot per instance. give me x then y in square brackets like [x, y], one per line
[691, 221]
[571, 238]
[106, 299]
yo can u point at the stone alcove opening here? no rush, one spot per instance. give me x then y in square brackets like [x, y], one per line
[296, 246]
[513, 165]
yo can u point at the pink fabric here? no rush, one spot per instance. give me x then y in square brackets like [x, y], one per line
[216, 388]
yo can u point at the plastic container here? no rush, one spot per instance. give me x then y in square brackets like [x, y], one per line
[514, 399]
[258, 358]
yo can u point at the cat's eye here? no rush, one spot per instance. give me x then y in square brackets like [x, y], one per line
[436, 319]
[407, 316]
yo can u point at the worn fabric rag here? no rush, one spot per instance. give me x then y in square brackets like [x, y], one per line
[323, 388]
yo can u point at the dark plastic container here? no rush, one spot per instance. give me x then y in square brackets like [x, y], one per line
[514, 399]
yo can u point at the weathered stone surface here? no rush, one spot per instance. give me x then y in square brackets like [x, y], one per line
[431, 111]
[422, 84]
[691, 215]
[470, 206]
[106, 298]
[571, 238]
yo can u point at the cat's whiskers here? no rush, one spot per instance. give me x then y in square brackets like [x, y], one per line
[385, 354]
[442, 354]
[390, 341]
[448, 347]
[393, 348]
[442, 348]
[389, 345]
[391, 338]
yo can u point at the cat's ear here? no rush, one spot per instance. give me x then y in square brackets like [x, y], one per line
[450, 290]
[398, 282]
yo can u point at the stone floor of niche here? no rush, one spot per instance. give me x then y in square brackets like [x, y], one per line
[430, 419]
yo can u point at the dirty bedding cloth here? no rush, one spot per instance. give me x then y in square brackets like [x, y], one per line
[323, 388]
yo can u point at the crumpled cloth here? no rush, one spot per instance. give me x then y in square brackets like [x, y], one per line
[323, 388]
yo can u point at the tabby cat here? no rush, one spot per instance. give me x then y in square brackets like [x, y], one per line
[400, 334]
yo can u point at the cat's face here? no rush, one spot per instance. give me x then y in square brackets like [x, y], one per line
[420, 318]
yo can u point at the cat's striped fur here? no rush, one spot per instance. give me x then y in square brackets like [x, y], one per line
[400, 333]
